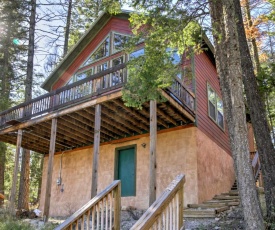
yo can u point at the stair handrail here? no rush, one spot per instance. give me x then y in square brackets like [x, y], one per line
[95, 208]
[256, 166]
[167, 211]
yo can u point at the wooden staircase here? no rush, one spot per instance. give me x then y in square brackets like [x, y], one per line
[212, 208]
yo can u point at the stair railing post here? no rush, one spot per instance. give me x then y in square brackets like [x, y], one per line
[117, 201]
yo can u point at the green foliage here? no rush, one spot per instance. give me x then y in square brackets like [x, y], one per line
[165, 30]
[8, 222]
[35, 175]
[85, 12]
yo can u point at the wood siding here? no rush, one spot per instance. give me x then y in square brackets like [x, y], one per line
[114, 24]
[205, 72]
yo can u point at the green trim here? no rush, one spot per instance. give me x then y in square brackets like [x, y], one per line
[135, 163]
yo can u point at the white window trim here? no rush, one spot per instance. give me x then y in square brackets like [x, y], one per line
[216, 106]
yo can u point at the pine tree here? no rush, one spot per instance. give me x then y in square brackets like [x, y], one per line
[23, 199]
[11, 33]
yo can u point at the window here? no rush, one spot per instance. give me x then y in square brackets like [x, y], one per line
[102, 51]
[87, 73]
[117, 77]
[102, 67]
[119, 42]
[215, 107]
[137, 53]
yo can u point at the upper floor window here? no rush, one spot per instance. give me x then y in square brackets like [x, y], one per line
[137, 53]
[119, 42]
[215, 107]
[102, 51]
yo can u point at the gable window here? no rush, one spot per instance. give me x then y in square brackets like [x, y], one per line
[215, 107]
[87, 73]
[102, 51]
[119, 42]
[137, 53]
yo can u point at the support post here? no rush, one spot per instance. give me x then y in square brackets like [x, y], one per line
[96, 149]
[15, 171]
[153, 141]
[50, 170]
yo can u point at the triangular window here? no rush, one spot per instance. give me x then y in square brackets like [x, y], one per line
[102, 51]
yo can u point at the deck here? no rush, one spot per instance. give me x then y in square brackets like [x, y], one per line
[74, 107]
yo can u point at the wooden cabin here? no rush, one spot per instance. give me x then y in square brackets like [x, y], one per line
[89, 137]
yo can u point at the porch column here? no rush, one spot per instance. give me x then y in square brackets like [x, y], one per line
[50, 171]
[96, 149]
[15, 171]
[153, 141]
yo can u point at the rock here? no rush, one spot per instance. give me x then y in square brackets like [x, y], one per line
[217, 219]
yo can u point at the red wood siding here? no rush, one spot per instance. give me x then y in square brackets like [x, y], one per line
[114, 24]
[205, 72]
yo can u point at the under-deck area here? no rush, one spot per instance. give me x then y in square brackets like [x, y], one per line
[74, 108]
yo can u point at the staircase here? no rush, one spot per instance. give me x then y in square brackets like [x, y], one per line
[213, 207]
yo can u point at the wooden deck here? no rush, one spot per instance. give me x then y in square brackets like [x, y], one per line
[74, 108]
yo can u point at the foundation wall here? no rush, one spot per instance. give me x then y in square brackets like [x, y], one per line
[208, 169]
[176, 153]
[215, 168]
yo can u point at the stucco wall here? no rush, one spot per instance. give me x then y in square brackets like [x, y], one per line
[215, 168]
[186, 151]
[175, 154]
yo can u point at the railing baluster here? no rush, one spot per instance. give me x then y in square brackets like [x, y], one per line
[111, 209]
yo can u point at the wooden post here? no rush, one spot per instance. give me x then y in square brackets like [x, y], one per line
[15, 171]
[153, 141]
[96, 149]
[181, 203]
[117, 199]
[50, 170]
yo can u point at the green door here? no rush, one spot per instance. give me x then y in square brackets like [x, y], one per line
[126, 171]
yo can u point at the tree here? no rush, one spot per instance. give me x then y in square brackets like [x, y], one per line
[258, 115]
[23, 199]
[229, 42]
[11, 33]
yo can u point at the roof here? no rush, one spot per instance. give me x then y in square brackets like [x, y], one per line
[97, 25]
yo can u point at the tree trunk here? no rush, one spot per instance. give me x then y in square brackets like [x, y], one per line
[40, 179]
[252, 40]
[23, 199]
[24, 186]
[3, 149]
[258, 116]
[228, 61]
[67, 30]
[6, 76]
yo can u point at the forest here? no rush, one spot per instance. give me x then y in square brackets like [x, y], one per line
[35, 35]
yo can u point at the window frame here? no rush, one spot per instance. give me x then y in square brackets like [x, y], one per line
[96, 48]
[217, 97]
[113, 50]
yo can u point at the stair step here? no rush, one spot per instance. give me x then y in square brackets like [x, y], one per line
[207, 205]
[228, 202]
[231, 193]
[222, 197]
[199, 213]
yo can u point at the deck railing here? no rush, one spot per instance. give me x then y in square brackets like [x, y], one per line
[101, 212]
[181, 94]
[100, 83]
[256, 166]
[167, 211]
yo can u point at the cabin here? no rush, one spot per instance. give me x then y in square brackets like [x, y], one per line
[89, 137]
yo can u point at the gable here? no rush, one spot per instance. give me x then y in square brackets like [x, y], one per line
[86, 45]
